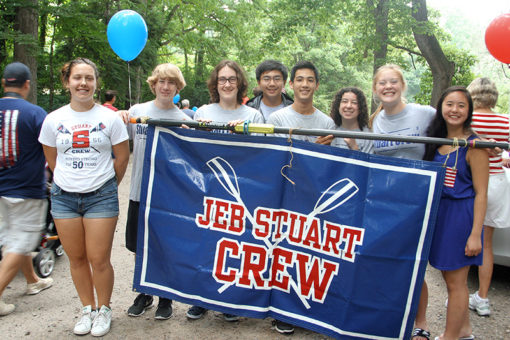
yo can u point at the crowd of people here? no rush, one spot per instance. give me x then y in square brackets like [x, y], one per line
[86, 147]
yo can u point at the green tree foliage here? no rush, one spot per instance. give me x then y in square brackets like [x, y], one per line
[337, 36]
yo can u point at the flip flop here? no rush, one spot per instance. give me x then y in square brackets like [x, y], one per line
[469, 337]
[421, 333]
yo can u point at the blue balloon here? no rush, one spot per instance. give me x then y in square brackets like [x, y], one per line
[127, 34]
[177, 98]
[194, 108]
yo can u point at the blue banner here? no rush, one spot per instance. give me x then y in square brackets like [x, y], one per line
[323, 238]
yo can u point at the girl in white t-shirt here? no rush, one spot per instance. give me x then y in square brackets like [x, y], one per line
[78, 141]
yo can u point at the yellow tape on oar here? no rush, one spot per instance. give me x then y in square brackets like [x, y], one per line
[254, 128]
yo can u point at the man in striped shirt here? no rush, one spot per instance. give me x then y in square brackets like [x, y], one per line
[493, 126]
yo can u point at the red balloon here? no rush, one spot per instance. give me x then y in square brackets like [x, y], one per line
[497, 38]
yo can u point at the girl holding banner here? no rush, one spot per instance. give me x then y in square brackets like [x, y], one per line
[78, 141]
[394, 116]
[350, 113]
[457, 241]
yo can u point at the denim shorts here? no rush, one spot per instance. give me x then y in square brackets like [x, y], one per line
[100, 203]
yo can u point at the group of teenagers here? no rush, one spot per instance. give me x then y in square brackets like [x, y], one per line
[86, 147]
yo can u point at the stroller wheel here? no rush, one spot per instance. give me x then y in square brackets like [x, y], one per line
[59, 250]
[44, 262]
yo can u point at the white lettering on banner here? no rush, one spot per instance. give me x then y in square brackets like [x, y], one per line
[314, 274]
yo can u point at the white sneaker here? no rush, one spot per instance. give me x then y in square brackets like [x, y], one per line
[102, 322]
[6, 308]
[84, 325]
[42, 284]
[481, 306]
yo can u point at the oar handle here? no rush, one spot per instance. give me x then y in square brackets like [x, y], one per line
[248, 127]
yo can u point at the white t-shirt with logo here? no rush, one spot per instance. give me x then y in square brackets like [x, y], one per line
[84, 146]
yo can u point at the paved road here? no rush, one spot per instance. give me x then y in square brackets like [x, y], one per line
[52, 313]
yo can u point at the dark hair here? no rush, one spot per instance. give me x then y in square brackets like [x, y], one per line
[362, 106]
[109, 95]
[270, 65]
[304, 64]
[242, 83]
[65, 72]
[437, 127]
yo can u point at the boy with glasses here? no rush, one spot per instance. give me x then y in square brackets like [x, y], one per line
[271, 78]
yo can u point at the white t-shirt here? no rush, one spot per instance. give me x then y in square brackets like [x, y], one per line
[218, 114]
[84, 146]
[413, 120]
[138, 133]
[288, 117]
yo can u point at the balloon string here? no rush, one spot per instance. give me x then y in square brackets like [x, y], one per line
[503, 67]
[129, 84]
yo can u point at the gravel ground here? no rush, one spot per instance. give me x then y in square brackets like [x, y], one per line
[52, 313]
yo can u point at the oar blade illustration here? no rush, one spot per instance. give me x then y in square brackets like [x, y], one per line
[224, 174]
[334, 196]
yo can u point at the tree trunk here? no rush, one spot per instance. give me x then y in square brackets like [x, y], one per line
[380, 13]
[27, 23]
[442, 69]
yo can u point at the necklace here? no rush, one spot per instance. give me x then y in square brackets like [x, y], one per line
[12, 94]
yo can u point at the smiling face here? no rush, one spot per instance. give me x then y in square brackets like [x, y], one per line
[349, 108]
[271, 83]
[304, 85]
[455, 109]
[165, 90]
[389, 86]
[228, 90]
[82, 83]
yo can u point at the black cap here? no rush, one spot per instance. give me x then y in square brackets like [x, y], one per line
[16, 74]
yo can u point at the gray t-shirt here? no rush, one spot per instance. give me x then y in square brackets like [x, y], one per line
[138, 133]
[414, 120]
[218, 114]
[268, 110]
[288, 117]
[364, 145]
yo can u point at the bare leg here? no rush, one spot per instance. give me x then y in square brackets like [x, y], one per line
[485, 270]
[27, 268]
[421, 314]
[457, 315]
[99, 238]
[11, 263]
[72, 235]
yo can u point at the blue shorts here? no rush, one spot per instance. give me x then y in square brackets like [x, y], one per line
[100, 203]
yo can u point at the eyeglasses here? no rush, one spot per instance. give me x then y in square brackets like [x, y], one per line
[223, 80]
[276, 79]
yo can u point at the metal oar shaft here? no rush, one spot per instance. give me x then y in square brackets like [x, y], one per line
[271, 129]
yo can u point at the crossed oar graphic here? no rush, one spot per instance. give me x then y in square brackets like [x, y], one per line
[334, 196]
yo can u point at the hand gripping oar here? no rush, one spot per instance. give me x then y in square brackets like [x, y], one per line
[247, 127]
[223, 172]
